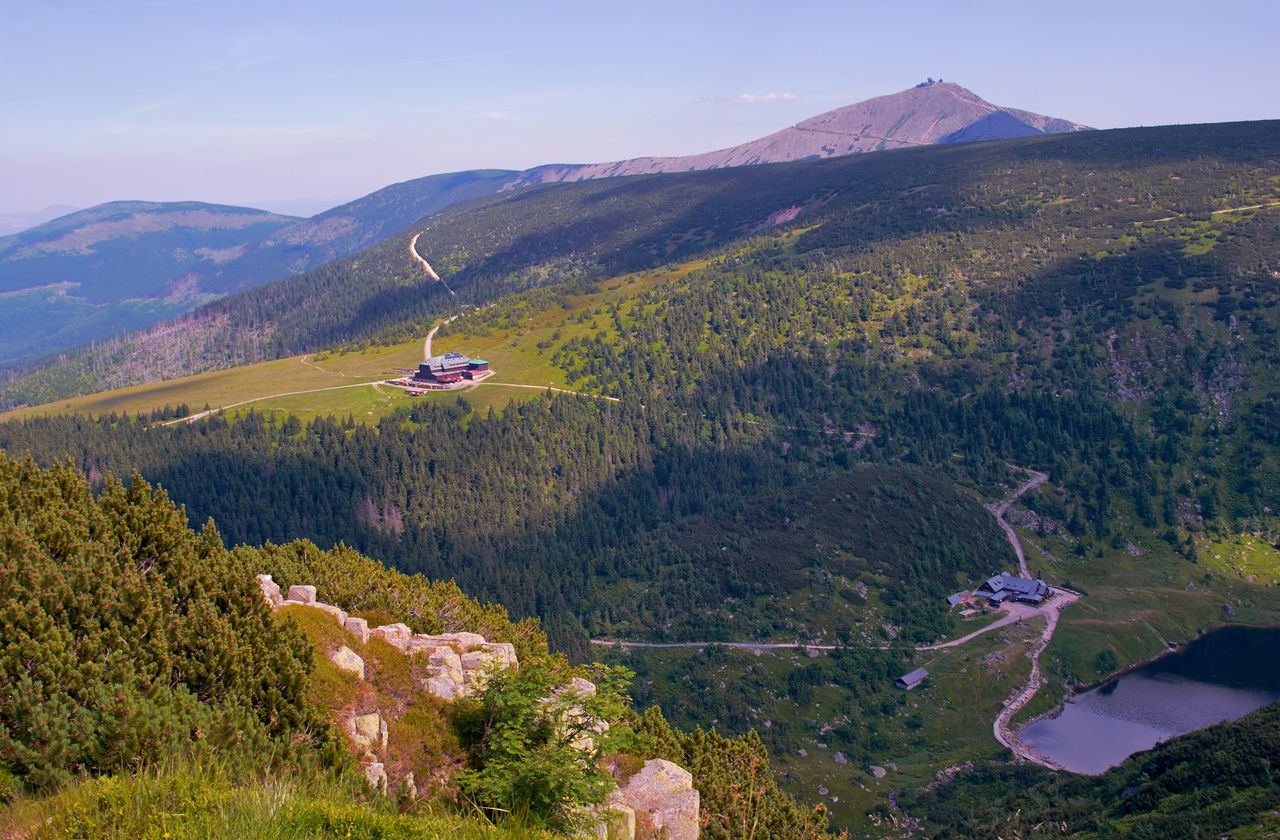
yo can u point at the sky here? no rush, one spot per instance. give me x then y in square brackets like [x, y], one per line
[296, 106]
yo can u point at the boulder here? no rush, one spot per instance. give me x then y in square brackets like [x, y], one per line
[466, 641]
[357, 627]
[877, 771]
[505, 651]
[664, 793]
[270, 591]
[459, 642]
[302, 594]
[442, 687]
[475, 659]
[348, 660]
[369, 731]
[396, 635]
[422, 643]
[339, 614]
[445, 665]
[376, 775]
[573, 720]
[477, 665]
[445, 659]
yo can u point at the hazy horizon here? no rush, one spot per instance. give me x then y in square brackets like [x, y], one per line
[307, 105]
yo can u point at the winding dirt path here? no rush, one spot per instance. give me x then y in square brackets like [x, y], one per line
[1062, 599]
[426, 344]
[306, 360]
[426, 266]
[998, 511]
[1000, 728]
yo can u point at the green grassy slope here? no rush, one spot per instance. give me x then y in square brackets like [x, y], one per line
[516, 340]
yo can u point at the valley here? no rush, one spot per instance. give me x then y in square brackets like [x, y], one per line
[780, 439]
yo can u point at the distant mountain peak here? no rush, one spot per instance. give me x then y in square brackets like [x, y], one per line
[932, 112]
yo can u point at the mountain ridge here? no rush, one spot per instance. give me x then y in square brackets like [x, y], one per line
[53, 316]
[928, 114]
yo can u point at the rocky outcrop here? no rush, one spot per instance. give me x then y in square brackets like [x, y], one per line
[658, 802]
[457, 665]
[663, 800]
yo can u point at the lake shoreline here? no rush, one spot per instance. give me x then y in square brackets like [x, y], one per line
[1079, 690]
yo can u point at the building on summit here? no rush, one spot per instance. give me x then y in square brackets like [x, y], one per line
[1006, 587]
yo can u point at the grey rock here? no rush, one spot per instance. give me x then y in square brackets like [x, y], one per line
[376, 775]
[270, 591]
[369, 731]
[302, 594]
[358, 627]
[664, 791]
[348, 660]
[396, 635]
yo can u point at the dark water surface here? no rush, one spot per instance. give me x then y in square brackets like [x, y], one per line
[1223, 675]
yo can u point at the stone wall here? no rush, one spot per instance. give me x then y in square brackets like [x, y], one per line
[458, 662]
[457, 666]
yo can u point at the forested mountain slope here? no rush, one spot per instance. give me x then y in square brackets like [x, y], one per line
[350, 227]
[120, 266]
[1075, 188]
[1077, 304]
[108, 279]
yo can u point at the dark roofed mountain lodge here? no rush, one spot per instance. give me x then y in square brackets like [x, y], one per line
[442, 373]
[450, 368]
[1006, 587]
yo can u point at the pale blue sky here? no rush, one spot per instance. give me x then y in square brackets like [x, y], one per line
[267, 102]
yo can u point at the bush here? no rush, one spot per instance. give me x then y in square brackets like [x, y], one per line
[126, 637]
[537, 755]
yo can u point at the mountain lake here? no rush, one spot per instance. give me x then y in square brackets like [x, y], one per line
[1221, 676]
